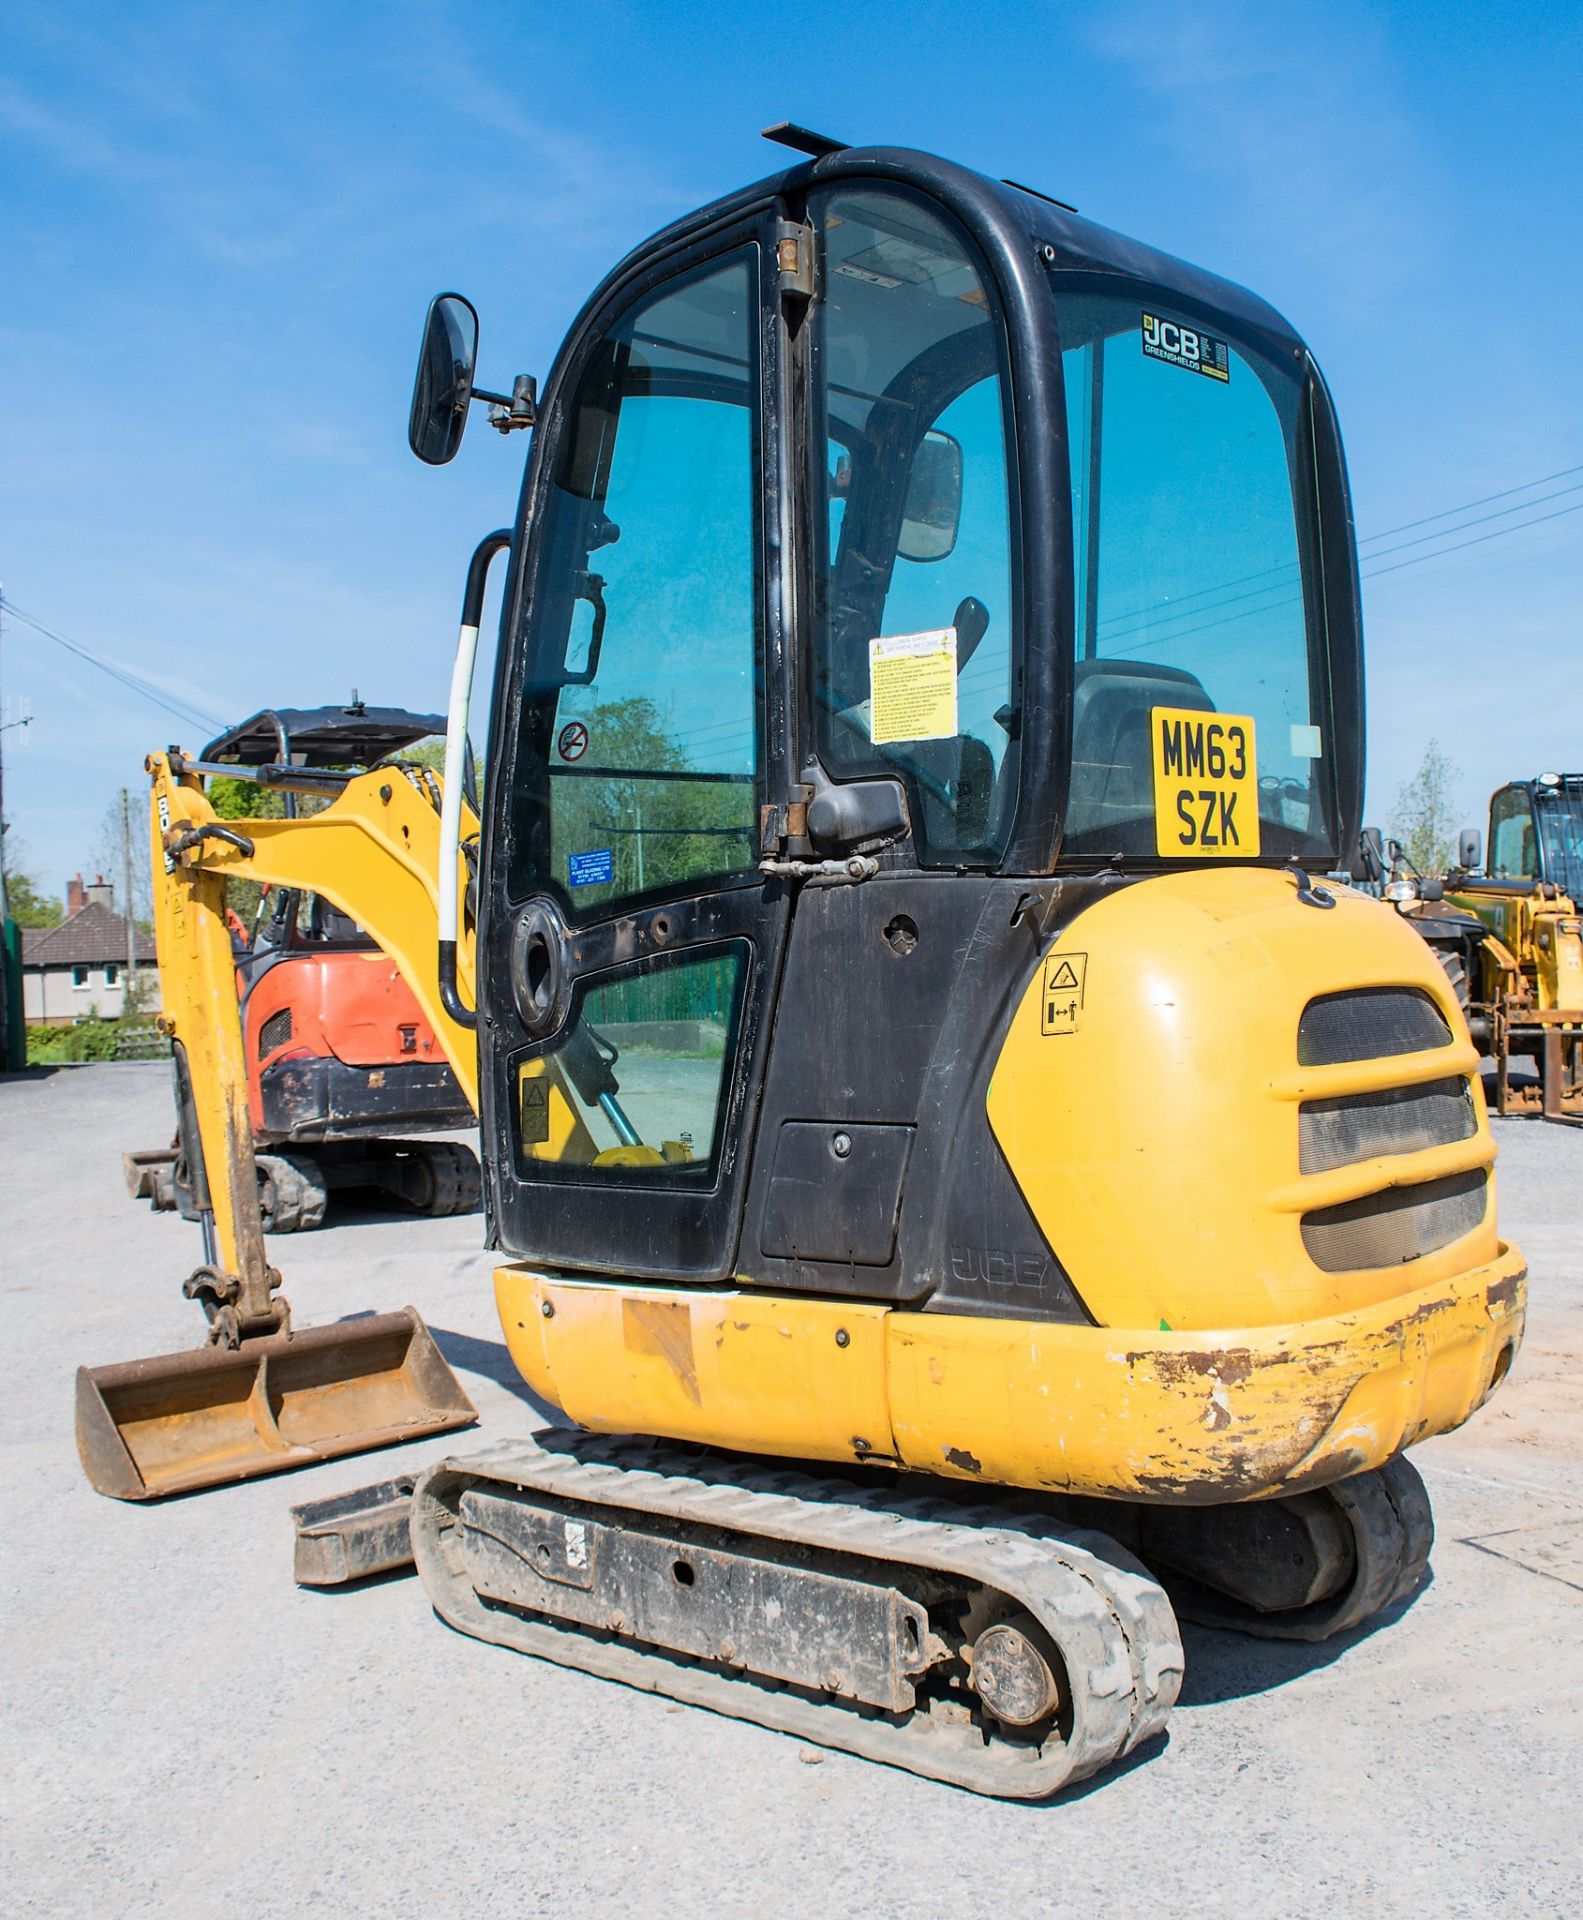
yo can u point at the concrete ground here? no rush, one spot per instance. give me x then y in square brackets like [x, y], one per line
[185, 1732]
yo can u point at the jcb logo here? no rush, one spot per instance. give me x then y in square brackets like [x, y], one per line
[1183, 346]
[1206, 789]
[1180, 342]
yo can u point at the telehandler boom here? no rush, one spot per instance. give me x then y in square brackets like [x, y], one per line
[942, 1139]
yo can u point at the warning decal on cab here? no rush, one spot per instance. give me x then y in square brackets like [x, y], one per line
[1065, 976]
[1206, 785]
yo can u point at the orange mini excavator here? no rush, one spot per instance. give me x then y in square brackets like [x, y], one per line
[340, 1056]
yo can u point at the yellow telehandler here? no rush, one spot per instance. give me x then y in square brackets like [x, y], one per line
[1526, 969]
[949, 1152]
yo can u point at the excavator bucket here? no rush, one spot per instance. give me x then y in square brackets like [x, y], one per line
[208, 1417]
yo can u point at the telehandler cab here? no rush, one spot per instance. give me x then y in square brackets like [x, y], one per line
[1527, 970]
[926, 1095]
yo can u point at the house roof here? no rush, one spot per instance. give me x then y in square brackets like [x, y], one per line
[89, 937]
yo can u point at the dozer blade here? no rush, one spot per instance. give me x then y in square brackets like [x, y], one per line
[209, 1417]
[143, 1168]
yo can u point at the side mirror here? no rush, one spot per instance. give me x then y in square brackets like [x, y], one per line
[1369, 865]
[930, 519]
[1470, 849]
[444, 386]
[1431, 889]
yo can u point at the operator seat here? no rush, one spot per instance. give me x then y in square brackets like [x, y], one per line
[1112, 758]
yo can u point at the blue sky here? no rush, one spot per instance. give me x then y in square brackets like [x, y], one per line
[220, 225]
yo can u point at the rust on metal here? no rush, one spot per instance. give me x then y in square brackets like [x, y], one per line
[212, 1416]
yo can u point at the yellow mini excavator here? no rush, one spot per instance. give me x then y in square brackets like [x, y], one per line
[949, 1153]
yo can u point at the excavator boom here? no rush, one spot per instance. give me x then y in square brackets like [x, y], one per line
[261, 1397]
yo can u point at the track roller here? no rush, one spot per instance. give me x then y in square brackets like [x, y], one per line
[1009, 1655]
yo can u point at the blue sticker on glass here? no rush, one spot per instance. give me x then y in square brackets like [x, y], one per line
[591, 869]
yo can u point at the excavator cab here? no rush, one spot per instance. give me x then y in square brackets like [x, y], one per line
[911, 562]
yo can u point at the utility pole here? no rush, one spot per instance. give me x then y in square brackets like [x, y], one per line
[126, 883]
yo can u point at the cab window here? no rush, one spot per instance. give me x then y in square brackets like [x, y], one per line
[1195, 576]
[1512, 855]
[915, 618]
[637, 762]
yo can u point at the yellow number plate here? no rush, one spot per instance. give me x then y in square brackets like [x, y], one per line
[1206, 785]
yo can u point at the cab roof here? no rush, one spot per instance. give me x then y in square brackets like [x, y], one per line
[1015, 215]
[357, 735]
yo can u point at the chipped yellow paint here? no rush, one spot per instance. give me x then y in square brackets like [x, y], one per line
[1239, 1414]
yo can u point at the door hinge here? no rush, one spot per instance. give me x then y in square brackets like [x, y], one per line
[794, 259]
[784, 829]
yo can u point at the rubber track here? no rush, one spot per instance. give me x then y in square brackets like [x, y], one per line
[297, 1196]
[458, 1182]
[1393, 1532]
[1112, 1623]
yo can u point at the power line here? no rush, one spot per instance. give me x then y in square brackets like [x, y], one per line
[1483, 501]
[1294, 599]
[173, 704]
[1482, 520]
[1537, 521]
[1109, 624]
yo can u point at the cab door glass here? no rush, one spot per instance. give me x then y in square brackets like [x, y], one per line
[638, 757]
[633, 1089]
[1512, 853]
[914, 631]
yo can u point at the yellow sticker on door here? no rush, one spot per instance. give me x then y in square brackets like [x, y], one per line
[1206, 785]
[912, 686]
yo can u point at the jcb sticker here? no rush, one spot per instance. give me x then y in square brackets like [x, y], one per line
[1065, 976]
[1206, 785]
[1182, 346]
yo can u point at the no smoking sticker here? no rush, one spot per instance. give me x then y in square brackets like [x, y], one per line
[573, 741]
[1061, 1007]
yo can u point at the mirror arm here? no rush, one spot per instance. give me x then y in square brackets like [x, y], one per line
[519, 408]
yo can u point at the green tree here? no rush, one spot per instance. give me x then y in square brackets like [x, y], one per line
[29, 907]
[657, 832]
[28, 904]
[1424, 817]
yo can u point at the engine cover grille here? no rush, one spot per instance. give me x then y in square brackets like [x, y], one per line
[275, 1032]
[1375, 1023]
[1399, 1223]
[1357, 1126]
[1402, 1223]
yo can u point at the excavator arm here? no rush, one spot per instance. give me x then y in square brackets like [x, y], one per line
[260, 1397]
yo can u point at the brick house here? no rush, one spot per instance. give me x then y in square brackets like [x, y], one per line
[79, 967]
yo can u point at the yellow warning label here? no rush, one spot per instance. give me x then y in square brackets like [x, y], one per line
[1065, 977]
[1206, 785]
[912, 686]
[535, 1110]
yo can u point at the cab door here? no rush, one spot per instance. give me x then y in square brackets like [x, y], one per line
[631, 945]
